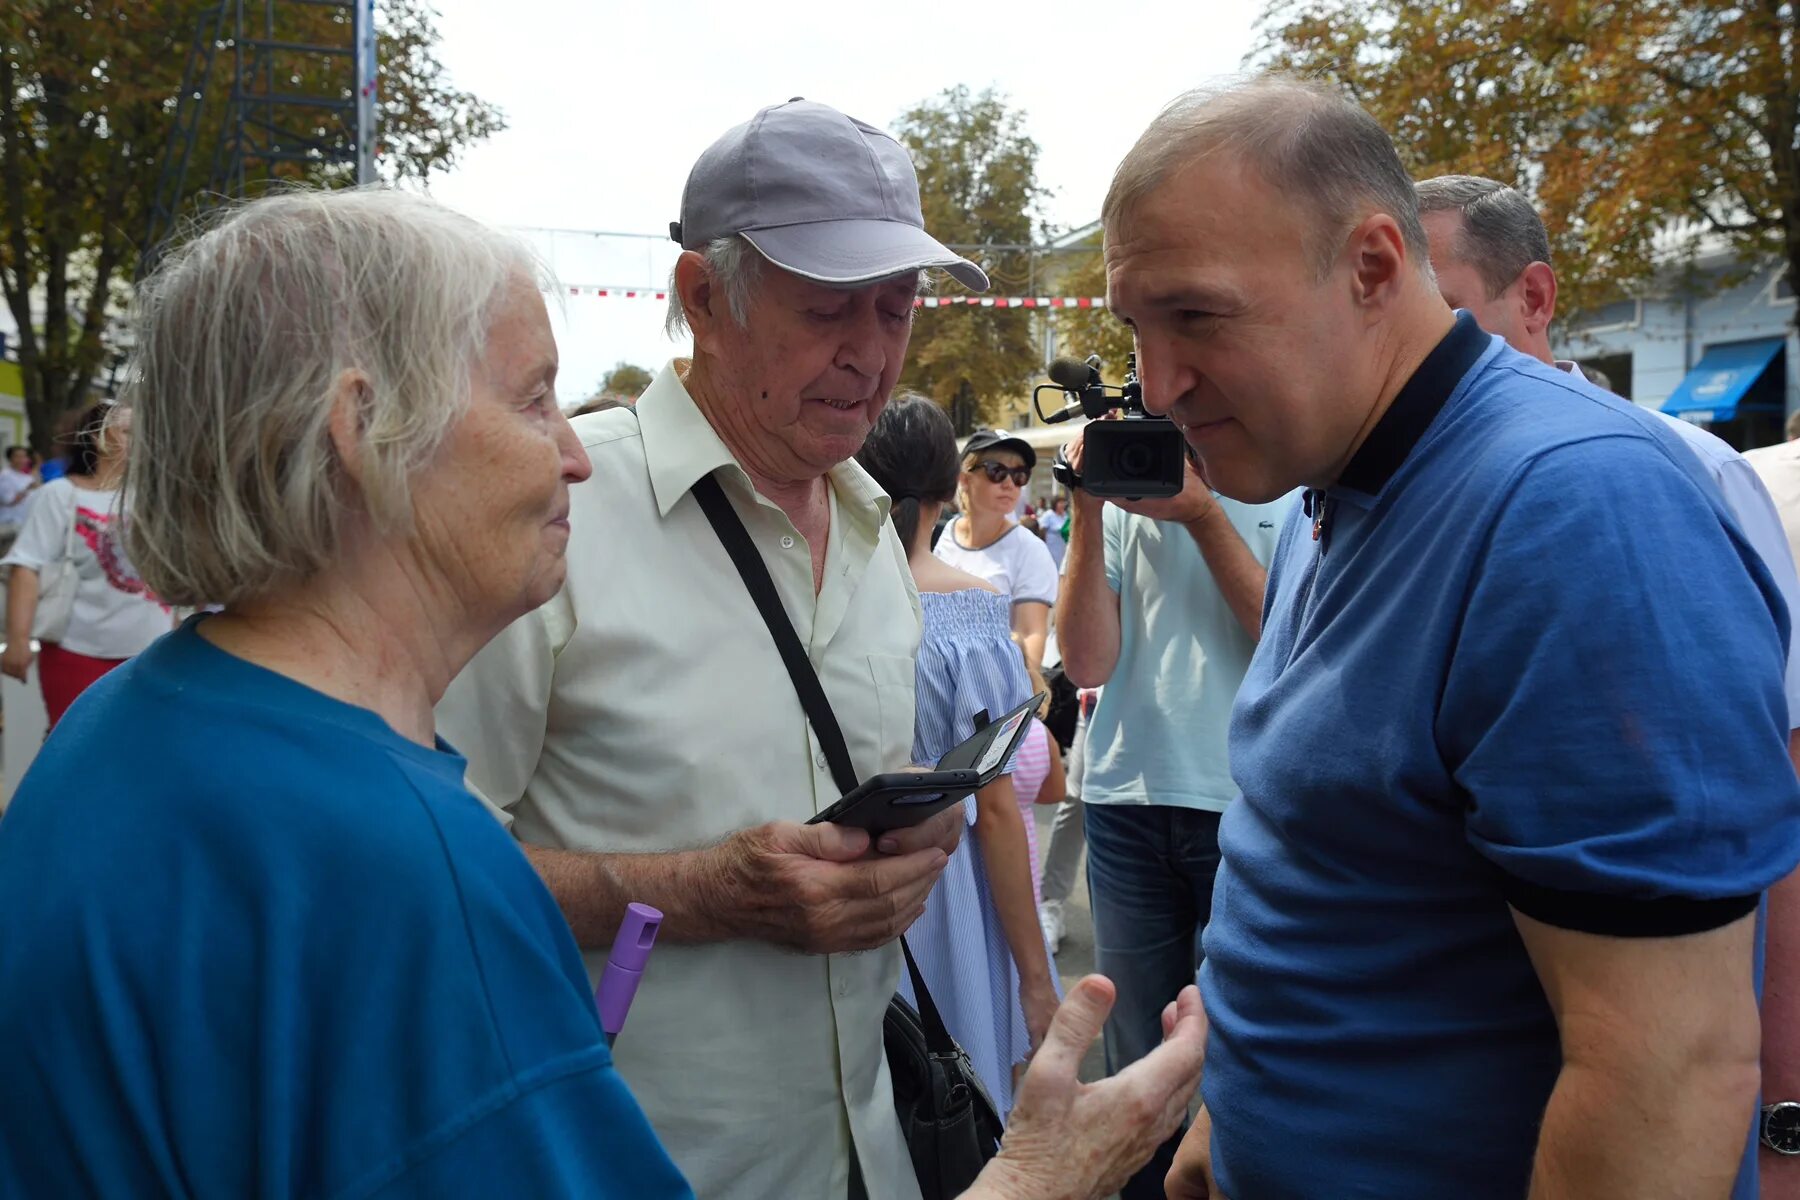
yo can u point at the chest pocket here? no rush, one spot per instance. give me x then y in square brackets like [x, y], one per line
[895, 701]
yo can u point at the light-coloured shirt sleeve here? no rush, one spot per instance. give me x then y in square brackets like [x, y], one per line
[1112, 538]
[44, 539]
[496, 710]
[1034, 571]
[12, 485]
[1754, 509]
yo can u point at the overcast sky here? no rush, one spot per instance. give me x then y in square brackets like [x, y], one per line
[610, 103]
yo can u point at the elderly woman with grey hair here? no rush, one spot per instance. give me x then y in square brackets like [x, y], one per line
[260, 939]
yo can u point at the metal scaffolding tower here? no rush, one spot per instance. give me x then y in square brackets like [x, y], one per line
[275, 85]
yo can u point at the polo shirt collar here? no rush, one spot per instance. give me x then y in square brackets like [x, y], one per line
[681, 447]
[1415, 407]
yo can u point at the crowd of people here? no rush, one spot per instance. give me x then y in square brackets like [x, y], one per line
[1433, 754]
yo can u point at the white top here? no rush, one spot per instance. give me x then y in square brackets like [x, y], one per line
[1017, 565]
[1750, 502]
[15, 496]
[645, 708]
[1779, 469]
[114, 615]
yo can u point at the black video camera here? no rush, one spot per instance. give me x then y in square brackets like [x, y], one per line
[1137, 457]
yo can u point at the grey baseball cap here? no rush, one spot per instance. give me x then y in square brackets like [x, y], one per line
[819, 194]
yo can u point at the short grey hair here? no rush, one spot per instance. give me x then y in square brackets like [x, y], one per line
[1303, 138]
[242, 336]
[735, 266]
[1502, 233]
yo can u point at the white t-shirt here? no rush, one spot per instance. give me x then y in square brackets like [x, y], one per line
[15, 496]
[114, 615]
[1018, 564]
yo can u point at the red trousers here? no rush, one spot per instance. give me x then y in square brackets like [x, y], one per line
[64, 675]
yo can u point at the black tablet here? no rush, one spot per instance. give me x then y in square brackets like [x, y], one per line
[901, 798]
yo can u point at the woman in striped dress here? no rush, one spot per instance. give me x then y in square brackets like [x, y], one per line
[979, 946]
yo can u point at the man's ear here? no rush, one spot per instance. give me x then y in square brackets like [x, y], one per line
[1378, 260]
[700, 300]
[1537, 297]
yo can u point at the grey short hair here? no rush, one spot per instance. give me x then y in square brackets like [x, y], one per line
[1304, 139]
[242, 335]
[735, 266]
[1502, 233]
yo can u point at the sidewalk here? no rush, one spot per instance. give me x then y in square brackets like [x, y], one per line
[1076, 958]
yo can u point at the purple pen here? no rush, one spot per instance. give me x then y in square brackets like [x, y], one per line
[625, 966]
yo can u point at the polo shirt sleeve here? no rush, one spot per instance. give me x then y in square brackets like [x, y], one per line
[1034, 571]
[1613, 705]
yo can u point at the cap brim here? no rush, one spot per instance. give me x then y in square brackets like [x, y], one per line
[1018, 446]
[852, 253]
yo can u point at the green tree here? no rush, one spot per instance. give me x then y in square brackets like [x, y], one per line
[978, 186]
[1635, 124]
[626, 381]
[1084, 331]
[88, 97]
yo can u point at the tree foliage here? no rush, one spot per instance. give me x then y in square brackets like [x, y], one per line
[88, 99]
[1084, 331]
[626, 381]
[1635, 124]
[978, 186]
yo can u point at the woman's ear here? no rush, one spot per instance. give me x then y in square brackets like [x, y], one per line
[346, 426]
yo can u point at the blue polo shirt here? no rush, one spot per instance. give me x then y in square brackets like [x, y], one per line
[255, 943]
[1527, 662]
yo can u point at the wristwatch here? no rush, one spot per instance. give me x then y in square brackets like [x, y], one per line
[1780, 1127]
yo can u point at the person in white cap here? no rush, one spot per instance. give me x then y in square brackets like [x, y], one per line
[640, 733]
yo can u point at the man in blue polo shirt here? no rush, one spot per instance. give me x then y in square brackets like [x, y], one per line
[1512, 749]
[1166, 596]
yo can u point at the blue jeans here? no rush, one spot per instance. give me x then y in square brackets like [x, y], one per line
[1150, 881]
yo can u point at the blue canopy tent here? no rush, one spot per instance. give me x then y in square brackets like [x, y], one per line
[1713, 392]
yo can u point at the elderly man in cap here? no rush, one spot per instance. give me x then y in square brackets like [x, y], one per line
[640, 732]
[1512, 751]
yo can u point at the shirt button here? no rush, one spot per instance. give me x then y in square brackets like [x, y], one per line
[843, 988]
[787, 543]
[819, 758]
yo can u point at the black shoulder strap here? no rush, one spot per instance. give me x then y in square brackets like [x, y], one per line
[755, 573]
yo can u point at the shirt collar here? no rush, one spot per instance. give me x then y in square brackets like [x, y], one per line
[681, 447]
[1415, 407]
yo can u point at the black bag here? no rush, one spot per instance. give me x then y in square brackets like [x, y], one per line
[948, 1119]
[949, 1122]
[1065, 706]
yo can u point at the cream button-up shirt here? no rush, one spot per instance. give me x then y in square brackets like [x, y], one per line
[645, 708]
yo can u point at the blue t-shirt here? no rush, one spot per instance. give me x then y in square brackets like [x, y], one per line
[1160, 737]
[258, 944]
[1530, 663]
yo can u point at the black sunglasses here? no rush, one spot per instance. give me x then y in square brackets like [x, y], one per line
[997, 471]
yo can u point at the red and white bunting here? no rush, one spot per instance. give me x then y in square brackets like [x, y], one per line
[614, 293]
[1011, 301]
[620, 293]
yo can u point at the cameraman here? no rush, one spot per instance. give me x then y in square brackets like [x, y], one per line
[1161, 600]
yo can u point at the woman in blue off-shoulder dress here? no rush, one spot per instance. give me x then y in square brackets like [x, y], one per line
[979, 945]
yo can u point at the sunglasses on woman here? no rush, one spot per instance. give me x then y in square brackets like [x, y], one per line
[997, 471]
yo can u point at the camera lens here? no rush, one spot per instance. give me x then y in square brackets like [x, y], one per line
[1136, 460]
